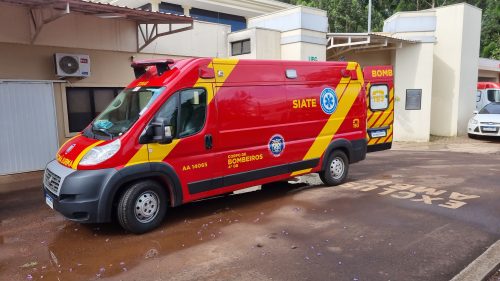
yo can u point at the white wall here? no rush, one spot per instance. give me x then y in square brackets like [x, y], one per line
[73, 30]
[413, 70]
[243, 35]
[89, 32]
[468, 68]
[303, 32]
[204, 40]
[456, 57]
[265, 43]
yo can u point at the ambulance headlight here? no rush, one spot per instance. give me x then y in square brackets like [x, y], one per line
[100, 154]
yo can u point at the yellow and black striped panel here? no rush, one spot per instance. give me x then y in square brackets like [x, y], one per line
[380, 120]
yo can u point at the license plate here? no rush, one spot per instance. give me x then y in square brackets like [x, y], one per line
[378, 134]
[49, 201]
[489, 129]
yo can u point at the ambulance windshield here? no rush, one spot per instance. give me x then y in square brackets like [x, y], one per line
[122, 112]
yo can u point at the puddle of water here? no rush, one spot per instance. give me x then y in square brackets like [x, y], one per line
[70, 251]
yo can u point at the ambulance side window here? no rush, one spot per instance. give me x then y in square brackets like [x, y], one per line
[379, 97]
[169, 112]
[193, 104]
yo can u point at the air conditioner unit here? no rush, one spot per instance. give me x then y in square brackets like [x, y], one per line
[72, 65]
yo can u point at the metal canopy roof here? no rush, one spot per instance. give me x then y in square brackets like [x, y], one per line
[340, 43]
[147, 21]
[104, 10]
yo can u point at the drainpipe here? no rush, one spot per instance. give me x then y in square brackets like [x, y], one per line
[369, 16]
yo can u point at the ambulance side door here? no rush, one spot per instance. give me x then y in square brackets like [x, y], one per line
[192, 122]
[379, 85]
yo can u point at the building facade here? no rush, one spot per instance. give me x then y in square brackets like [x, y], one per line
[435, 54]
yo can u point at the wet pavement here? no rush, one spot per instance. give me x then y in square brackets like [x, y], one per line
[419, 212]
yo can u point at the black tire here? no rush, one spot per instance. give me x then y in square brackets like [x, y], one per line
[151, 207]
[334, 174]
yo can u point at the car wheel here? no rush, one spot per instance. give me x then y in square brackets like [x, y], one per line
[336, 170]
[142, 207]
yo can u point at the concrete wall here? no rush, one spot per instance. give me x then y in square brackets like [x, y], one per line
[468, 68]
[73, 30]
[89, 32]
[265, 43]
[204, 40]
[383, 57]
[303, 32]
[413, 70]
[456, 57]
[268, 46]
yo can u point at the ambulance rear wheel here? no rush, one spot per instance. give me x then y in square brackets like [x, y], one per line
[142, 207]
[336, 169]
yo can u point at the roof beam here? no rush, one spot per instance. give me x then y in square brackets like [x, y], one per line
[39, 19]
[149, 33]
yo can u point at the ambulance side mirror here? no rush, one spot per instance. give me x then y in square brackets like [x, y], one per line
[157, 131]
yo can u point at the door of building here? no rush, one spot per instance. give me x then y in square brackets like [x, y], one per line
[28, 128]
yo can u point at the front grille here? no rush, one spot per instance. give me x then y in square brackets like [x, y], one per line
[51, 181]
[489, 130]
[490, 123]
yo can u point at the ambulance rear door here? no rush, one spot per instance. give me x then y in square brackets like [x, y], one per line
[379, 84]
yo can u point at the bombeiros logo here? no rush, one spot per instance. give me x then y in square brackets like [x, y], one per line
[276, 145]
[328, 101]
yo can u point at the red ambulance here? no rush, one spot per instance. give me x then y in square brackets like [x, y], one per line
[196, 128]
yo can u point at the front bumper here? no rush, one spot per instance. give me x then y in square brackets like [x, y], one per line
[77, 194]
[484, 129]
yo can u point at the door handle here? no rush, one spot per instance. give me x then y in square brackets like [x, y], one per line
[208, 141]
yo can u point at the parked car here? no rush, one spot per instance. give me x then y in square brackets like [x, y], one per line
[486, 122]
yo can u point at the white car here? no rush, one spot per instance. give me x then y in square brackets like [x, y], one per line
[486, 122]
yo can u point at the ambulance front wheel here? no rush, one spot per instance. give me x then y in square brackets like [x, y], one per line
[142, 207]
[336, 169]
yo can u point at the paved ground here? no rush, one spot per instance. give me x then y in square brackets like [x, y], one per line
[417, 212]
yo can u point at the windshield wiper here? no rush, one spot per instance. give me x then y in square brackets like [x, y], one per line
[106, 132]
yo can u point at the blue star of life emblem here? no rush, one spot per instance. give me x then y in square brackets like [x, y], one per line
[328, 101]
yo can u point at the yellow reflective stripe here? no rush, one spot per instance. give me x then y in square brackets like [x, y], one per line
[141, 156]
[80, 156]
[226, 66]
[337, 118]
[74, 137]
[161, 151]
[383, 119]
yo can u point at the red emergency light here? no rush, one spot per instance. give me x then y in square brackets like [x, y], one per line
[161, 65]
